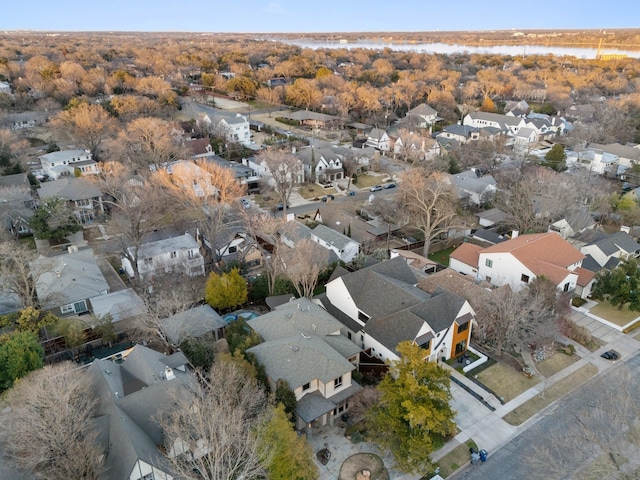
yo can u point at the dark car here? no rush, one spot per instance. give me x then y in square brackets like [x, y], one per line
[390, 185]
[326, 198]
[376, 188]
[611, 355]
[280, 206]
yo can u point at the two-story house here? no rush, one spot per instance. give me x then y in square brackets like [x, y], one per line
[321, 164]
[344, 247]
[505, 123]
[234, 129]
[380, 306]
[379, 139]
[472, 187]
[303, 346]
[262, 170]
[16, 203]
[82, 196]
[422, 116]
[173, 255]
[64, 163]
[518, 261]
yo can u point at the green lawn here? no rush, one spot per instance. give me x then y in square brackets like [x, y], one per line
[442, 256]
[613, 314]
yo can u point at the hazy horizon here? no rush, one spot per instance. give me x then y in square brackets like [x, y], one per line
[330, 16]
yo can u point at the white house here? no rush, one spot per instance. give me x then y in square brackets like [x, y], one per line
[604, 248]
[378, 139]
[173, 255]
[524, 139]
[460, 133]
[505, 123]
[380, 307]
[416, 146]
[64, 163]
[235, 129]
[262, 171]
[423, 116]
[344, 247]
[321, 164]
[518, 261]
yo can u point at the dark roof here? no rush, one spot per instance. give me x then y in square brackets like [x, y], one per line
[489, 236]
[590, 264]
[616, 242]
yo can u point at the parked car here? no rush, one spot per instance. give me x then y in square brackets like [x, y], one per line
[352, 193]
[326, 198]
[376, 188]
[390, 185]
[280, 206]
[611, 355]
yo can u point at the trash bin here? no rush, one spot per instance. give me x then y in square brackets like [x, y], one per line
[483, 455]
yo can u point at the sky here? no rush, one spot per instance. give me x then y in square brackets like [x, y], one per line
[273, 16]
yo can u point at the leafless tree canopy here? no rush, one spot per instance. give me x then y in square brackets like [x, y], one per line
[283, 171]
[49, 431]
[303, 265]
[215, 435]
[19, 275]
[430, 203]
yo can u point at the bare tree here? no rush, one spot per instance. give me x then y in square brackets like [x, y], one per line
[285, 172]
[50, 431]
[137, 203]
[303, 265]
[20, 273]
[430, 203]
[87, 124]
[215, 435]
[512, 320]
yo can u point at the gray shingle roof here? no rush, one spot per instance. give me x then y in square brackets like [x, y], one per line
[194, 322]
[329, 235]
[69, 188]
[119, 305]
[619, 241]
[167, 245]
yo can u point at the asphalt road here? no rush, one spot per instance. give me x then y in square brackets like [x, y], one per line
[577, 434]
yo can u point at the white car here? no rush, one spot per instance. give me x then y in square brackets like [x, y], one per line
[376, 188]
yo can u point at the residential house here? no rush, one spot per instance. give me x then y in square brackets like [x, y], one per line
[122, 307]
[304, 347]
[518, 261]
[416, 147]
[582, 113]
[461, 133]
[195, 322]
[132, 388]
[576, 220]
[596, 160]
[176, 255]
[66, 283]
[16, 203]
[473, 187]
[607, 249]
[235, 245]
[379, 139]
[380, 307]
[321, 164]
[234, 129]
[244, 174]
[311, 119]
[491, 217]
[422, 116]
[64, 163]
[344, 247]
[194, 178]
[525, 139]
[262, 171]
[505, 123]
[295, 232]
[83, 198]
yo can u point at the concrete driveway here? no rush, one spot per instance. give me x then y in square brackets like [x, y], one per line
[598, 329]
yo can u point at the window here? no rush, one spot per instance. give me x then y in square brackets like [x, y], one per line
[337, 382]
[306, 387]
[148, 260]
[174, 254]
[66, 308]
[349, 335]
[461, 347]
[363, 317]
[462, 328]
[566, 287]
[233, 249]
[488, 279]
[80, 307]
[524, 278]
[488, 263]
[426, 345]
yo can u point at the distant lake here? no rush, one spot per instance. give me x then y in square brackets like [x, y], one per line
[444, 48]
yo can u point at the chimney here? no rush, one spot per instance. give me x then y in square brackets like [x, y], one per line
[293, 149]
[393, 254]
[168, 373]
[514, 233]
